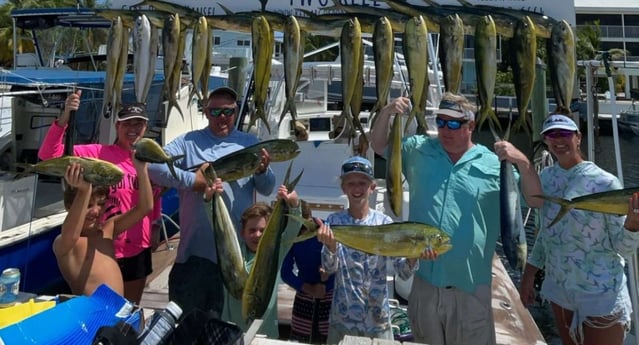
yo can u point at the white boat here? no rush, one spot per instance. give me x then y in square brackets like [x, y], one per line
[629, 119]
[31, 209]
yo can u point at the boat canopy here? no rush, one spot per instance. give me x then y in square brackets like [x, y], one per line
[44, 18]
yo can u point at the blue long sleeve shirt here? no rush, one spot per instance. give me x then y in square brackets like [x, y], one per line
[307, 257]
[200, 146]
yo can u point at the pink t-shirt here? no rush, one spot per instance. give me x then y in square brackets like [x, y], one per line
[122, 197]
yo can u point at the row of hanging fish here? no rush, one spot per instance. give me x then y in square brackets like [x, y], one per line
[145, 39]
[412, 21]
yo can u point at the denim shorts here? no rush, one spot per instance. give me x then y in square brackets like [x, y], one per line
[615, 304]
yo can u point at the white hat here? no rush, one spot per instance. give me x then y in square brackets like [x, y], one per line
[557, 121]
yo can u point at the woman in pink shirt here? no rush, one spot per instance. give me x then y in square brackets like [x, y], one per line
[132, 247]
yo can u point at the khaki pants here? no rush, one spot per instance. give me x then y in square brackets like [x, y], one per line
[449, 316]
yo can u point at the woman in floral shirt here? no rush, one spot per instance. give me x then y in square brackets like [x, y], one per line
[583, 253]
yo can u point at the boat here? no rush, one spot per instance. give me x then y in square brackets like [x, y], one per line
[629, 119]
[31, 95]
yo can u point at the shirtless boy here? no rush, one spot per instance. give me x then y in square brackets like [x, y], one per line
[84, 249]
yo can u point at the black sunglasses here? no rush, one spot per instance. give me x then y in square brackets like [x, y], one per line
[357, 166]
[215, 112]
[451, 124]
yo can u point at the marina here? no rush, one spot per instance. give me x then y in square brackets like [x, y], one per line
[32, 209]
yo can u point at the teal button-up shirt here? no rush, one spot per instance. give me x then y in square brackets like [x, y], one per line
[462, 199]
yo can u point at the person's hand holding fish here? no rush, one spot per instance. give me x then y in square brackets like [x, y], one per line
[265, 161]
[290, 199]
[72, 103]
[507, 151]
[214, 187]
[325, 235]
[74, 176]
[400, 105]
[632, 219]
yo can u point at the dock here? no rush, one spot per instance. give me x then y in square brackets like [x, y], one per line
[513, 323]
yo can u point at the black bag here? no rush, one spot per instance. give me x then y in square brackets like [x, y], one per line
[200, 328]
[120, 334]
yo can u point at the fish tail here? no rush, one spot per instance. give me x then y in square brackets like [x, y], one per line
[566, 206]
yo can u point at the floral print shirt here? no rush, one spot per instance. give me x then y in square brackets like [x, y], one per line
[584, 251]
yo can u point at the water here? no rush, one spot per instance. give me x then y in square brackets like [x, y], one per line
[604, 157]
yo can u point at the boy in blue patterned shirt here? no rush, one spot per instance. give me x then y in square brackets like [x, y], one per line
[360, 298]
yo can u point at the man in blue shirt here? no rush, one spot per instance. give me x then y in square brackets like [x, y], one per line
[195, 280]
[454, 185]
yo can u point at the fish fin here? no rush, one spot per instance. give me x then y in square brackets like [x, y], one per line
[309, 224]
[288, 106]
[309, 14]
[291, 186]
[226, 9]
[176, 157]
[177, 106]
[172, 169]
[565, 207]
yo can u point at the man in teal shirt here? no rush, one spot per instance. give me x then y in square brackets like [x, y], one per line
[454, 185]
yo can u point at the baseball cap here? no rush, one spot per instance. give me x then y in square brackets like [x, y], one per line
[133, 111]
[453, 109]
[557, 121]
[357, 165]
[224, 90]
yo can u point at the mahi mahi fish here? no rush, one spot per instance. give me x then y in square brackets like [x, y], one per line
[524, 52]
[609, 202]
[227, 245]
[350, 50]
[199, 49]
[451, 51]
[95, 171]
[173, 48]
[384, 53]
[400, 239]
[262, 48]
[293, 59]
[263, 275]
[148, 150]
[244, 162]
[114, 45]
[415, 48]
[486, 69]
[232, 168]
[279, 150]
[561, 64]
[145, 44]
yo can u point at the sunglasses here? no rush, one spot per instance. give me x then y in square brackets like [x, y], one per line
[216, 112]
[451, 124]
[560, 133]
[358, 167]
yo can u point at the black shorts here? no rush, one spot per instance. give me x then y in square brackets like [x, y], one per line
[136, 267]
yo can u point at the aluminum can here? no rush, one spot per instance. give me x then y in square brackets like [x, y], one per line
[9, 285]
